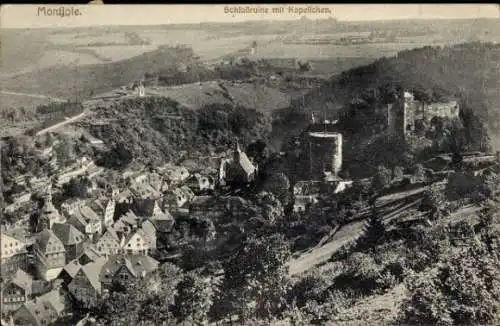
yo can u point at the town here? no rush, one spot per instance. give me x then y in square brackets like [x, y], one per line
[122, 229]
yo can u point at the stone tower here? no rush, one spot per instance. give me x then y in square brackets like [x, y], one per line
[49, 214]
[325, 153]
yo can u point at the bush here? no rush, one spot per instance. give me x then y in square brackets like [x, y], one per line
[465, 290]
[192, 301]
[309, 288]
[382, 178]
[425, 305]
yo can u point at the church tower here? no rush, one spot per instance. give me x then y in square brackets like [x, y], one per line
[49, 214]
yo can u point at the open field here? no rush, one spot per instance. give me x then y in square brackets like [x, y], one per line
[8, 100]
[197, 95]
[119, 52]
[84, 38]
[26, 50]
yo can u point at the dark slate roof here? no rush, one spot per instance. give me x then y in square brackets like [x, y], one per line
[68, 234]
[48, 242]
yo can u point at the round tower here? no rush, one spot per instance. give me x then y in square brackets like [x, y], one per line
[325, 153]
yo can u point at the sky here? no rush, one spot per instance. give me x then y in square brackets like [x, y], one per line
[37, 16]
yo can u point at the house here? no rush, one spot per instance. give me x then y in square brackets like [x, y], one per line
[157, 226]
[120, 268]
[162, 221]
[43, 310]
[121, 227]
[134, 177]
[302, 203]
[50, 255]
[86, 220]
[307, 188]
[336, 184]
[174, 174]
[108, 244]
[14, 253]
[144, 191]
[106, 209]
[69, 271]
[129, 219]
[150, 235]
[178, 197]
[125, 197]
[35, 314]
[144, 197]
[71, 205]
[201, 183]
[154, 180]
[89, 255]
[138, 242]
[86, 286]
[16, 291]
[139, 89]
[71, 238]
[238, 169]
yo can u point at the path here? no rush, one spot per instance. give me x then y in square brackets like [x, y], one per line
[391, 207]
[33, 95]
[62, 123]
[318, 255]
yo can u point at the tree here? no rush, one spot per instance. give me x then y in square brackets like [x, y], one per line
[382, 177]
[419, 173]
[117, 157]
[255, 279]
[304, 66]
[434, 200]
[425, 305]
[77, 187]
[309, 288]
[192, 301]
[279, 185]
[398, 173]
[48, 139]
[122, 304]
[270, 207]
[465, 290]
[65, 152]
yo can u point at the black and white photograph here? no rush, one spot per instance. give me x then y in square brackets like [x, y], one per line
[244, 164]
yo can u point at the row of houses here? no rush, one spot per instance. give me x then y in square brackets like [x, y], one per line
[89, 243]
[63, 254]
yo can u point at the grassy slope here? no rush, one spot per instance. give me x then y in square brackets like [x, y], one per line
[84, 81]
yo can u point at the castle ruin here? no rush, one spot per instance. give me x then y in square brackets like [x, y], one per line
[405, 113]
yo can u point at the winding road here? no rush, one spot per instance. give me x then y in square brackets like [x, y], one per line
[62, 123]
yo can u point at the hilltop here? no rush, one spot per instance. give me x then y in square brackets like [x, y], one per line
[469, 72]
[155, 130]
[83, 82]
